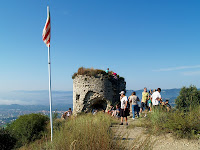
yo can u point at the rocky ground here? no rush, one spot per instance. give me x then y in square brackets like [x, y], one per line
[133, 137]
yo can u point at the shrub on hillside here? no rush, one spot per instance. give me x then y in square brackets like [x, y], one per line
[180, 123]
[28, 128]
[7, 142]
[188, 98]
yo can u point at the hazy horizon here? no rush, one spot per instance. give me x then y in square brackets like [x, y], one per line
[41, 97]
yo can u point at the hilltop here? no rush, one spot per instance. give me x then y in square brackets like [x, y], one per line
[101, 131]
[160, 129]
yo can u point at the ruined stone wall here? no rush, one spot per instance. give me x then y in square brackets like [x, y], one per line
[98, 92]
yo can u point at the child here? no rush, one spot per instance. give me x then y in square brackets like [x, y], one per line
[149, 101]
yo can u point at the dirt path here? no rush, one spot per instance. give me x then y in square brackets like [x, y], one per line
[137, 138]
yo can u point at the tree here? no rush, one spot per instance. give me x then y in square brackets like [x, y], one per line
[188, 98]
[27, 128]
[7, 142]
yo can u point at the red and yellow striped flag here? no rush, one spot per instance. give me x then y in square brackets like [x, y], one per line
[46, 35]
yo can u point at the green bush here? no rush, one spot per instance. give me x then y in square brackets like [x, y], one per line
[27, 128]
[7, 142]
[188, 98]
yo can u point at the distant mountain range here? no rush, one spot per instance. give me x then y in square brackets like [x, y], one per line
[60, 99]
[58, 107]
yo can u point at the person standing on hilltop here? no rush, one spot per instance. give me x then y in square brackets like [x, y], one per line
[145, 98]
[107, 70]
[123, 110]
[156, 98]
[134, 100]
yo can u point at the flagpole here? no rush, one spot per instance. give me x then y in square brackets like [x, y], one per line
[50, 99]
[46, 38]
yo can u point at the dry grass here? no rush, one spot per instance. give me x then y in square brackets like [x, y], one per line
[89, 72]
[86, 132]
[181, 124]
[143, 144]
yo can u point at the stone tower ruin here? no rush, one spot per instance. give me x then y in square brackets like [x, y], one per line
[96, 92]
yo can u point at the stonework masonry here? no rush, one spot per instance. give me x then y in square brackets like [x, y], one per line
[96, 92]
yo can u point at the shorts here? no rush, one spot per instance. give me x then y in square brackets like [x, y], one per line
[144, 106]
[124, 113]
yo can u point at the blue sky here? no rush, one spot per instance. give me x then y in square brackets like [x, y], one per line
[151, 43]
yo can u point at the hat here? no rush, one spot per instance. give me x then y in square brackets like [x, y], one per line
[122, 92]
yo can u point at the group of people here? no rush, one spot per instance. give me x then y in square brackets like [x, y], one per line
[114, 112]
[114, 74]
[150, 100]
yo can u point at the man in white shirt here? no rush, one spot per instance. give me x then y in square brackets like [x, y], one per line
[156, 97]
[123, 110]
